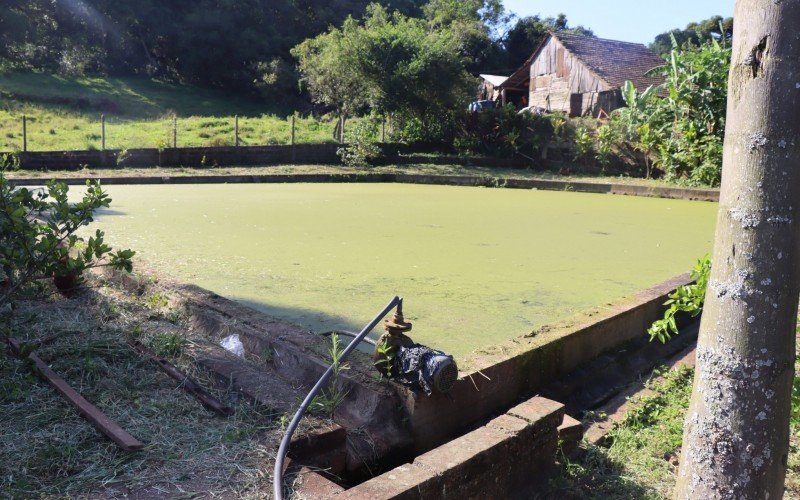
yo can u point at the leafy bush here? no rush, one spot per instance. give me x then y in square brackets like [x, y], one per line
[361, 149]
[683, 130]
[38, 236]
[584, 143]
[687, 299]
[606, 137]
[502, 132]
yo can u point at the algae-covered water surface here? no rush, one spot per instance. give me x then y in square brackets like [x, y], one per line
[476, 266]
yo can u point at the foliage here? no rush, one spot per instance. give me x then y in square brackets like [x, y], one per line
[361, 149]
[584, 143]
[387, 63]
[684, 130]
[331, 397]
[715, 27]
[168, 343]
[502, 132]
[606, 137]
[38, 235]
[648, 410]
[685, 299]
[242, 45]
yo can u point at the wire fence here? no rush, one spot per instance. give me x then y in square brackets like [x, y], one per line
[53, 133]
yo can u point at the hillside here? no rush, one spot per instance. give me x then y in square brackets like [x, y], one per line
[64, 113]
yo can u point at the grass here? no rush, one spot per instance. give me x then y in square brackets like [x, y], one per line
[641, 457]
[64, 114]
[48, 450]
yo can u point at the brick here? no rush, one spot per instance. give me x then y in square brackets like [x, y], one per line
[404, 482]
[541, 412]
[312, 485]
[509, 423]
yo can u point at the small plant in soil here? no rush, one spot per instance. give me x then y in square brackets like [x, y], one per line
[39, 240]
[330, 398]
[168, 343]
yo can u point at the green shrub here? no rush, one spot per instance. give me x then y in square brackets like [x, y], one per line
[361, 150]
[584, 143]
[686, 299]
[38, 236]
[502, 132]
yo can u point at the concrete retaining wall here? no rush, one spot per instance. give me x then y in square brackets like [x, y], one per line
[500, 459]
[450, 180]
[174, 157]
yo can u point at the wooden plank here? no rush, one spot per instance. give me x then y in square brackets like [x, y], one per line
[97, 418]
[187, 384]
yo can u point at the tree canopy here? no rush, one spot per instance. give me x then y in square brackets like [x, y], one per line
[715, 27]
[388, 63]
[245, 45]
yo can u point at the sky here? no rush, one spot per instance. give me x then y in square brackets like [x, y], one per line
[627, 20]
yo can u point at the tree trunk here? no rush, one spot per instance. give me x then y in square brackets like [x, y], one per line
[736, 437]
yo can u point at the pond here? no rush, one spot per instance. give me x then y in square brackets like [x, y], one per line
[476, 266]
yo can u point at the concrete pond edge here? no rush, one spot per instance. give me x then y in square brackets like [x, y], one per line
[671, 192]
[395, 426]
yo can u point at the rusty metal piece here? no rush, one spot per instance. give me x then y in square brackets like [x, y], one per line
[90, 412]
[397, 324]
[187, 384]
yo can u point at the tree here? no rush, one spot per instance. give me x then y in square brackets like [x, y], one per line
[736, 437]
[388, 63]
[715, 27]
[528, 32]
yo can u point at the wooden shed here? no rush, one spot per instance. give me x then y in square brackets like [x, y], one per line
[490, 87]
[579, 75]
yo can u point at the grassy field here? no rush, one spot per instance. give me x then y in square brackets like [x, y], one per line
[64, 114]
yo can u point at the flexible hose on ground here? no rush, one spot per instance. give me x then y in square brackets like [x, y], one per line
[277, 482]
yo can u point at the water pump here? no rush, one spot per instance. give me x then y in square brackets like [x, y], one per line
[414, 365]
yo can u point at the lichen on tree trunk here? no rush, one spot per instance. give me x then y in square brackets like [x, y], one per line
[736, 437]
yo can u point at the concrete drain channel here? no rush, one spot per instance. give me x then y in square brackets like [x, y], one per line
[498, 429]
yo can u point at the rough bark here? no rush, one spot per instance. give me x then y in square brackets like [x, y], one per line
[736, 436]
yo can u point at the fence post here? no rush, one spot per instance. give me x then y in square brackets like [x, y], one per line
[102, 132]
[341, 132]
[236, 130]
[383, 129]
[24, 134]
[174, 132]
[293, 154]
[292, 136]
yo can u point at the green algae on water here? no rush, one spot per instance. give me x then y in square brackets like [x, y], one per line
[476, 266]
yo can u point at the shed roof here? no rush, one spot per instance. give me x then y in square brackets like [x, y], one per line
[495, 80]
[612, 61]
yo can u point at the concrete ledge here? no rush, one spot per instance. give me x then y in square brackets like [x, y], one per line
[506, 455]
[449, 180]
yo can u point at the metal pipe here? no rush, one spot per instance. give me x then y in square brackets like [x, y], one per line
[347, 334]
[277, 481]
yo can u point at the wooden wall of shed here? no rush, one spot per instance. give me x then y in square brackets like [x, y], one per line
[560, 82]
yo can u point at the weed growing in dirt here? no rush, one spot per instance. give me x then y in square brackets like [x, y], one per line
[330, 398]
